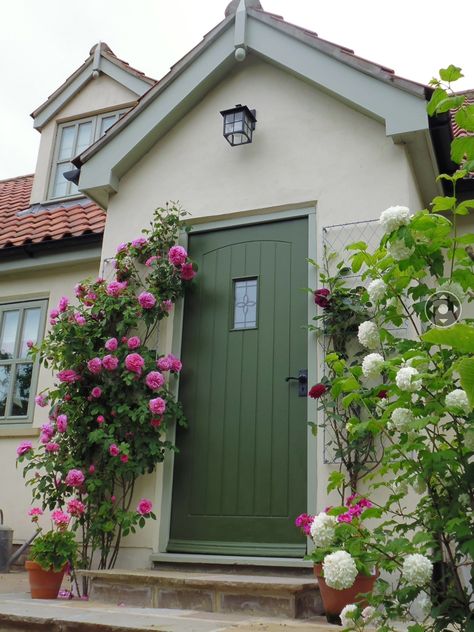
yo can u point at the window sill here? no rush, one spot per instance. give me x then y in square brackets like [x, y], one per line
[67, 198]
[19, 431]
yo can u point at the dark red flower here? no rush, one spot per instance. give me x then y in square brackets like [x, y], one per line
[321, 297]
[382, 394]
[317, 391]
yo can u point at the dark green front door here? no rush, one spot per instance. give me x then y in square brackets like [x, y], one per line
[240, 474]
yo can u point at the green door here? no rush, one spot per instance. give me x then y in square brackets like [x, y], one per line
[240, 474]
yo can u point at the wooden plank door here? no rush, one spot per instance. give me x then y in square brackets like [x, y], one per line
[240, 474]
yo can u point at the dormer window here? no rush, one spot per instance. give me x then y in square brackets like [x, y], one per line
[72, 139]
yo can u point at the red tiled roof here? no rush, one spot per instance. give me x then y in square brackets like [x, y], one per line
[20, 224]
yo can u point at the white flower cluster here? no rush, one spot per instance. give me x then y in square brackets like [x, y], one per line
[457, 400]
[368, 335]
[369, 613]
[417, 570]
[376, 290]
[348, 615]
[372, 365]
[339, 570]
[405, 381]
[394, 217]
[469, 439]
[400, 418]
[323, 529]
[399, 250]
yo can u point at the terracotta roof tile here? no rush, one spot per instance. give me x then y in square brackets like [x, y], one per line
[20, 224]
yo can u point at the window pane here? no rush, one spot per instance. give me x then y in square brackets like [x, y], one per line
[60, 188]
[245, 304]
[67, 142]
[4, 385]
[31, 321]
[8, 336]
[84, 137]
[21, 391]
[107, 122]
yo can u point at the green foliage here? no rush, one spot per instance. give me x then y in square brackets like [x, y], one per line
[54, 550]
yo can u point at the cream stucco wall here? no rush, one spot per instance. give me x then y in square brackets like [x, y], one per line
[308, 149]
[100, 94]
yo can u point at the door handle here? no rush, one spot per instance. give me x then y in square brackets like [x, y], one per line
[302, 380]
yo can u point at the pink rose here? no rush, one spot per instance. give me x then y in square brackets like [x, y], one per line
[80, 320]
[156, 423]
[139, 242]
[124, 458]
[110, 362]
[30, 344]
[134, 342]
[54, 313]
[69, 376]
[115, 288]
[167, 305]
[90, 298]
[41, 401]
[24, 447]
[151, 260]
[187, 272]
[134, 363]
[164, 364]
[79, 290]
[176, 364]
[91, 469]
[74, 478]
[157, 406]
[96, 392]
[47, 430]
[52, 446]
[63, 304]
[75, 507]
[94, 365]
[60, 518]
[35, 512]
[100, 419]
[146, 300]
[177, 255]
[154, 380]
[114, 450]
[122, 246]
[144, 507]
[111, 344]
[61, 423]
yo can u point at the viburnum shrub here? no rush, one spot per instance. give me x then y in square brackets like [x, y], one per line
[113, 400]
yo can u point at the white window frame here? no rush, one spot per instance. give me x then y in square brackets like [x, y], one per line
[96, 121]
[21, 306]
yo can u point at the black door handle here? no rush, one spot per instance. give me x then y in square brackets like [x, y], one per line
[302, 380]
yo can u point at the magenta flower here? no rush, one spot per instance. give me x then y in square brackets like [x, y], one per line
[90, 298]
[111, 344]
[47, 429]
[61, 423]
[304, 522]
[157, 406]
[154, 380]
[30, 344]
[94, 365]
[52, 447]
[167, 305]
[164, 363]
[110, 362]
[114, 450]
[124, 458]
[187, 272]
[177, 255]
[74, 478]
[54, 313]
[144, 507]
[156, 422]
[24, 447]
[176, 364]
[91, 469]
[139, 242]
[134, 363]
[364, 502]
[63, 304]
[146, 300]
[69, 376]
[346, 517]
[79, 290]
[115, 288]
[96, 392]
[41, 401]
[122, 246]
[151, 260]
[35, 513]
[80, 320]
[134, 342]
[75, 507]
[60, 518]
[321, 297]
[100, 419]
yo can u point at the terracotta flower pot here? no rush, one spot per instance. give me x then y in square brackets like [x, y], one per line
[335, 600]
[43, 584]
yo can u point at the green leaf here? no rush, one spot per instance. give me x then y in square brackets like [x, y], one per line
[438, 95]
[466, 371]
[350, 384]
[462, 147]
[442, 203]
[451, 103]
[463, 208]
[335, 480]
[451, 73]
[358, 245]
[460, 337]
[464, 117]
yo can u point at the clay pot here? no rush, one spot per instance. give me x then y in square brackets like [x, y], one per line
[335, 600]
[43, 584]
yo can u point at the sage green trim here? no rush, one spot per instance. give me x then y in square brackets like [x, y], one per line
[231, 560]
[312, 466]
[18, 431]
[71, 257]
[237, 548]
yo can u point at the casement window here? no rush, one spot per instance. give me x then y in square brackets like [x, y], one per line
[20, 324]
[72, 139]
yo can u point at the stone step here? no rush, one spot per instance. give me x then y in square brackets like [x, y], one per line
[249, 594]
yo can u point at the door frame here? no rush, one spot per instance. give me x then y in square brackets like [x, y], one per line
[206, 224]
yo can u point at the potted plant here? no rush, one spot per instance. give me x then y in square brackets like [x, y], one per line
[50, 555]
[344, 562]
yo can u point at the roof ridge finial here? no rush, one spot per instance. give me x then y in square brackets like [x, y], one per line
[232, 7]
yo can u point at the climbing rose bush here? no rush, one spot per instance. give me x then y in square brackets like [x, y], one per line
[113, 400]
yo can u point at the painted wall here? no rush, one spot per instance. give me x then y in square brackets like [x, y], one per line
[99, 94]
[308, 149]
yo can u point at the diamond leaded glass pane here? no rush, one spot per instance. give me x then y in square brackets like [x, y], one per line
[245, 304]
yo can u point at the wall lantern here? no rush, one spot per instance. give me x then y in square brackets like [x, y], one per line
[239, 123]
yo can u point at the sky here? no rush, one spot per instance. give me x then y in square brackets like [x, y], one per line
[42, 43]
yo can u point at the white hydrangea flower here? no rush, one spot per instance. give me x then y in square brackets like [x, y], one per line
[469, 439]
[424, 603]
[457, 400]
[417, 570]
[339, 570]
[400, 418]
[376, 290]
[394, 217]
[399, 250]
[348, 615]
[368, 335]
[372, 365]
[323, 529]
[368, 613]
[405, 381]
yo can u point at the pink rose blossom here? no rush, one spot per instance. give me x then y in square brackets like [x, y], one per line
[177, 255]
[79, 290]
[176, 364]
[75, 507]
[156, 423]
[134, 363]
[164, 364]
[114, 450]
[48, 430]
[122, 246]
[41, 400]
[112, 499]
[61, 423]
[110, 362]
[89, 298]
[134, 342]
[52, 447]
[187, 272]
[63, 304]
[74, 478]
[154, 380]
[24, 447]
[146, 300]
[94, 365]
[167, 305]
[30, 344]
[139, 242]
[124, 458]
[69, 376]
[60, 518]
[115, 288]
[111, 344]
[96, 392]
[151, 260]
[80, 320]
[157, 406]
[91, 469]
[144, 507]
[100, 419]
[54, 313]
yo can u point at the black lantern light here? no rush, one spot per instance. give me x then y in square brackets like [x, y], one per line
[239, 123]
